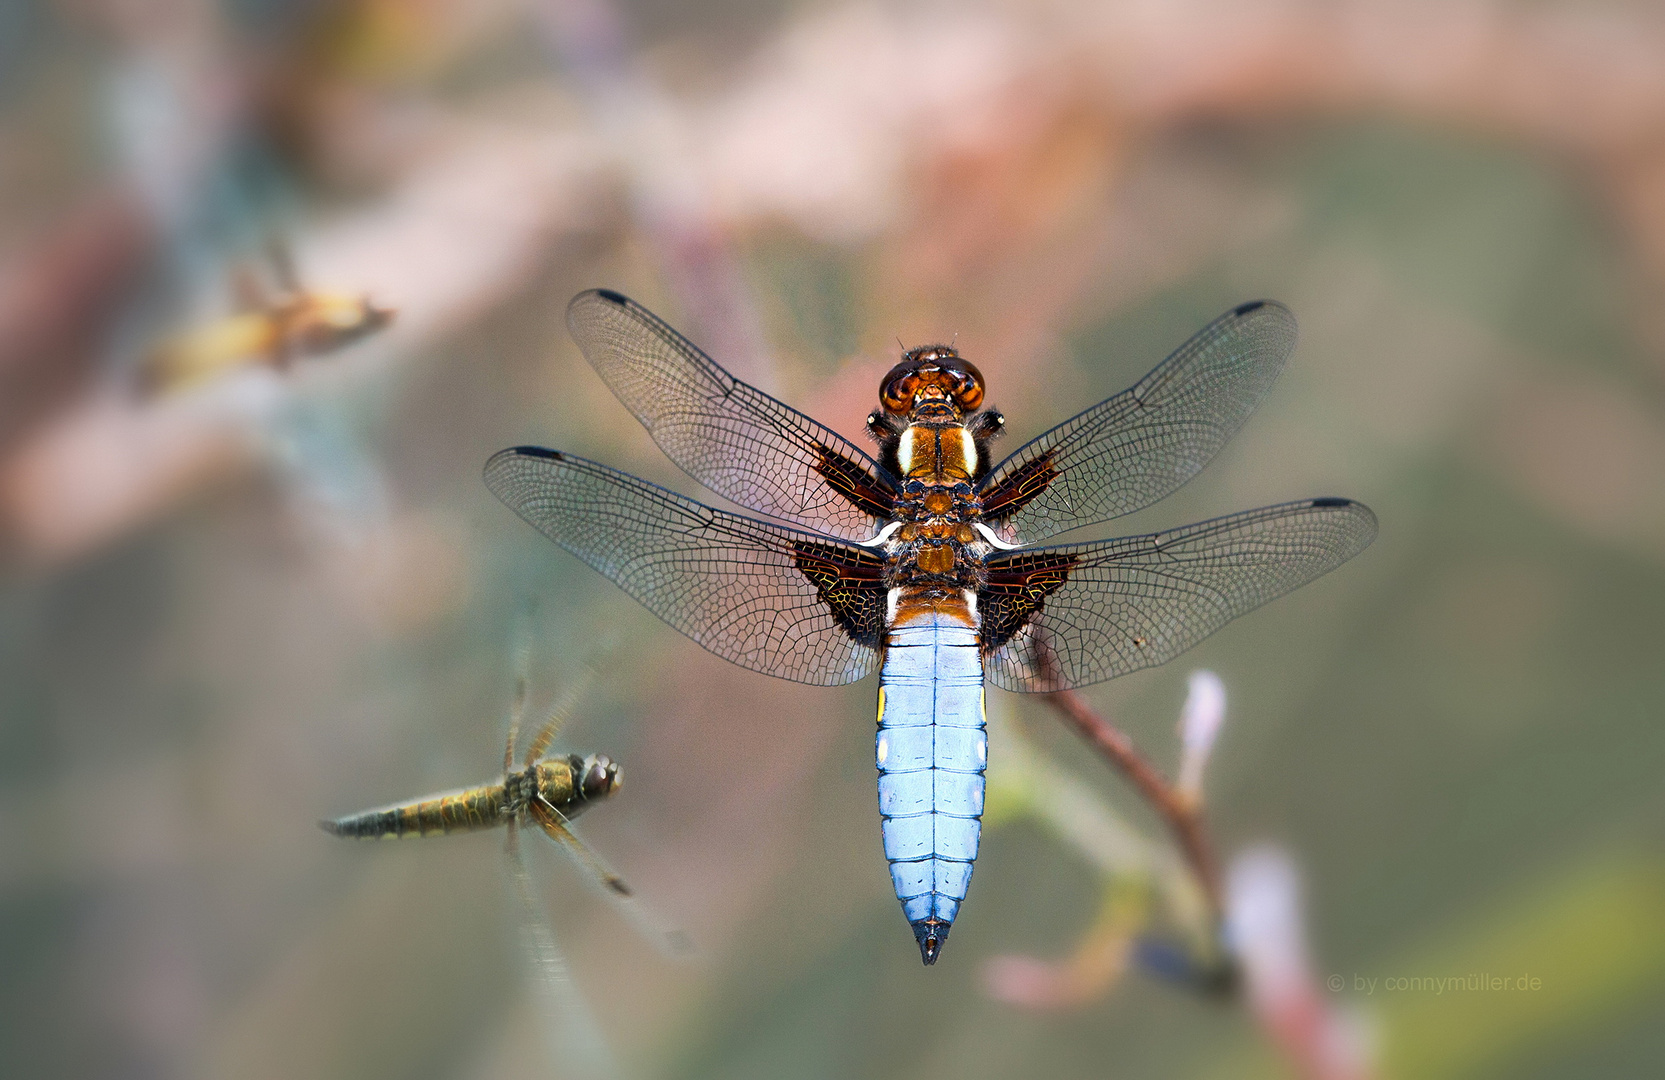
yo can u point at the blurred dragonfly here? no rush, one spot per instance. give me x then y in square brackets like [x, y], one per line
[918, 561]
[211, 193]
[273, 327]
[547, 792]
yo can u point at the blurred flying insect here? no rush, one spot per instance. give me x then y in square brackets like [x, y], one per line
[272, 328]
[546, 793]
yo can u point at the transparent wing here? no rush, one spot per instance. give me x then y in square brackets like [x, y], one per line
[787, 603]
[1061, 617]
[731, 437]
[1126, 453]
[559, 714]
[574, 1037]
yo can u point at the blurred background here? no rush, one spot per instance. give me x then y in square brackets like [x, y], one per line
[252, 578]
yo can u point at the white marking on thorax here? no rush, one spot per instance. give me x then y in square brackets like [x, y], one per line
[890, 606]
[971, 606]
[995, 541]
[904, 449]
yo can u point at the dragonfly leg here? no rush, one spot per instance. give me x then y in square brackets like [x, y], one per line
[674, 941]
[554, 824]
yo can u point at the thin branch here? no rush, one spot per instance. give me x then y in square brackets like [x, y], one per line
[1184, 818]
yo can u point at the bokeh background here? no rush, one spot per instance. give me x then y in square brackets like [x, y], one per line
[231, 609]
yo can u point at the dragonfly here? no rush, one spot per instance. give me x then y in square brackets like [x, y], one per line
[921, 559]
[272, 328]
[546, 793]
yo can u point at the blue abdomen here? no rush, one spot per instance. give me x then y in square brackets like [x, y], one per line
[932, 750]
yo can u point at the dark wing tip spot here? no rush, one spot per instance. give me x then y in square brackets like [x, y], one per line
[613, 297]
[1331, 500]
[548, 454]
[1252, 305]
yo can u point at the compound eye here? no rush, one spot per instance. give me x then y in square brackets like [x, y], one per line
[897, 394]
[601, 776]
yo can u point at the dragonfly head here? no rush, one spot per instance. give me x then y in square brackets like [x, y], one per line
[931, 375]
[600, 777]
[320, 322]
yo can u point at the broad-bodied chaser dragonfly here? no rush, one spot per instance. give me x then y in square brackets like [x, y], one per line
[920, 561]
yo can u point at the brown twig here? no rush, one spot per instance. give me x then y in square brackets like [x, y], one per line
[1183, 817]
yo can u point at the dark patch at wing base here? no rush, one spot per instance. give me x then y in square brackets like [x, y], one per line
[1017, 588]
[850, 584]
[867, 492]
[1014, 492]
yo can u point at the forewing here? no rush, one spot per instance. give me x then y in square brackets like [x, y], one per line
[1063, 617]
[1124, 454]
[788, 603]
[731, 437]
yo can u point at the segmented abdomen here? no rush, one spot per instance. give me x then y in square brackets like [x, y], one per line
[932, 750]
[456, 811]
